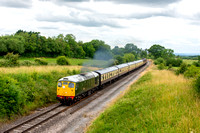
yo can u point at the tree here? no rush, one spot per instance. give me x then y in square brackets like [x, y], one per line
[130, 47]
[129, 57]
[167, 53]
[119, 59]
[156, 50]
[118, 51]
[89, 49]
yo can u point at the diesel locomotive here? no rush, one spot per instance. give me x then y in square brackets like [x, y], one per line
[73, 88]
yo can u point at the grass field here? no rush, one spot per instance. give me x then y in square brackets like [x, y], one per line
[160, 101]
[72, 61]
[189, 61]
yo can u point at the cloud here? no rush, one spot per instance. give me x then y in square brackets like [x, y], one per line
[143, 2]
[48, 27]
[16, 3]
[137, 2]
[77, 18]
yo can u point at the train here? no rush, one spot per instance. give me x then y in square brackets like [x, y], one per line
[73, 88]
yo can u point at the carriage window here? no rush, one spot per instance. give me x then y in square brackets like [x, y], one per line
[59, 84]
[65, 83]
[71, 85]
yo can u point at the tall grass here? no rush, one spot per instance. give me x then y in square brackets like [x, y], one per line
[24, 89]
[159, 102]
[38, 69]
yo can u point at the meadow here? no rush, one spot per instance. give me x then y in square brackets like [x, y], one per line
[72, 61]
[187, 61]
[159, 101]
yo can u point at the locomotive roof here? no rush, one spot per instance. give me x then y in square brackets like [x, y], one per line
[80, 77]
[107, 70]
[122, 65]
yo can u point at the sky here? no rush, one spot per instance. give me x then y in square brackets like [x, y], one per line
[174, 24]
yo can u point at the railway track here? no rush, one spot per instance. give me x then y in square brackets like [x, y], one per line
[33, 122]
[36, 121]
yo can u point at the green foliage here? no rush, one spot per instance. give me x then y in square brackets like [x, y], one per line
[11, 59]
[192, 71]
[2, 63]
[62, 60]
[26, 63]
[41, 61]
[23, 92]
[161, 66]
[181, 69]
[119, 59]
[159, 51]
[197, 64]
[10, 101]
[174, 62]
[197, 84]
[129, 57]
[159, 61]
[156, 50]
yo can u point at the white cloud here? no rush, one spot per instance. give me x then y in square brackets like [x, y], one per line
[174, 25]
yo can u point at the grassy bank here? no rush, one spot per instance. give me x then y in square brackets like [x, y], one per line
[160, 101]
[23, 89]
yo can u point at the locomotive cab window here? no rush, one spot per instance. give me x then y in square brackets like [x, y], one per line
[65, 83]
[59, 84]
[71, 85]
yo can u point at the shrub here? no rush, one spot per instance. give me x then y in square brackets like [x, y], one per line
[26, 63]
[161, 66]
[197, 84]
[197, 64]
[41, 61]
[11, 59]
[62, 60]
[175, 62]
[2, 63]
[170, 66]
[192, 71]
[160, 60]
[182, 68]
[10, 101]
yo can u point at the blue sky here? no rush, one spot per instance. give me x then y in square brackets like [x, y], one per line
[174, 24]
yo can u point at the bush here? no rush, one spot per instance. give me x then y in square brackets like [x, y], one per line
[10, 101]
[62, 60]
[11, 59]
[26, 63]
[170, 66]
[192, 71]
[197, 84]
[2, 63]
[182, 68]
[197, 64]
[161, 66]
[41, 61]
[174, 62]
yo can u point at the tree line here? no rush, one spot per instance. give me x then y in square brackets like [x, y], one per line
[32, 44]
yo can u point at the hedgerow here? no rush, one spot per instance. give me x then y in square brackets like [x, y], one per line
[22, 92]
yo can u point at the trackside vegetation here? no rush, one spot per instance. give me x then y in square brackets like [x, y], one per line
[25, 89]
[160, 101]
